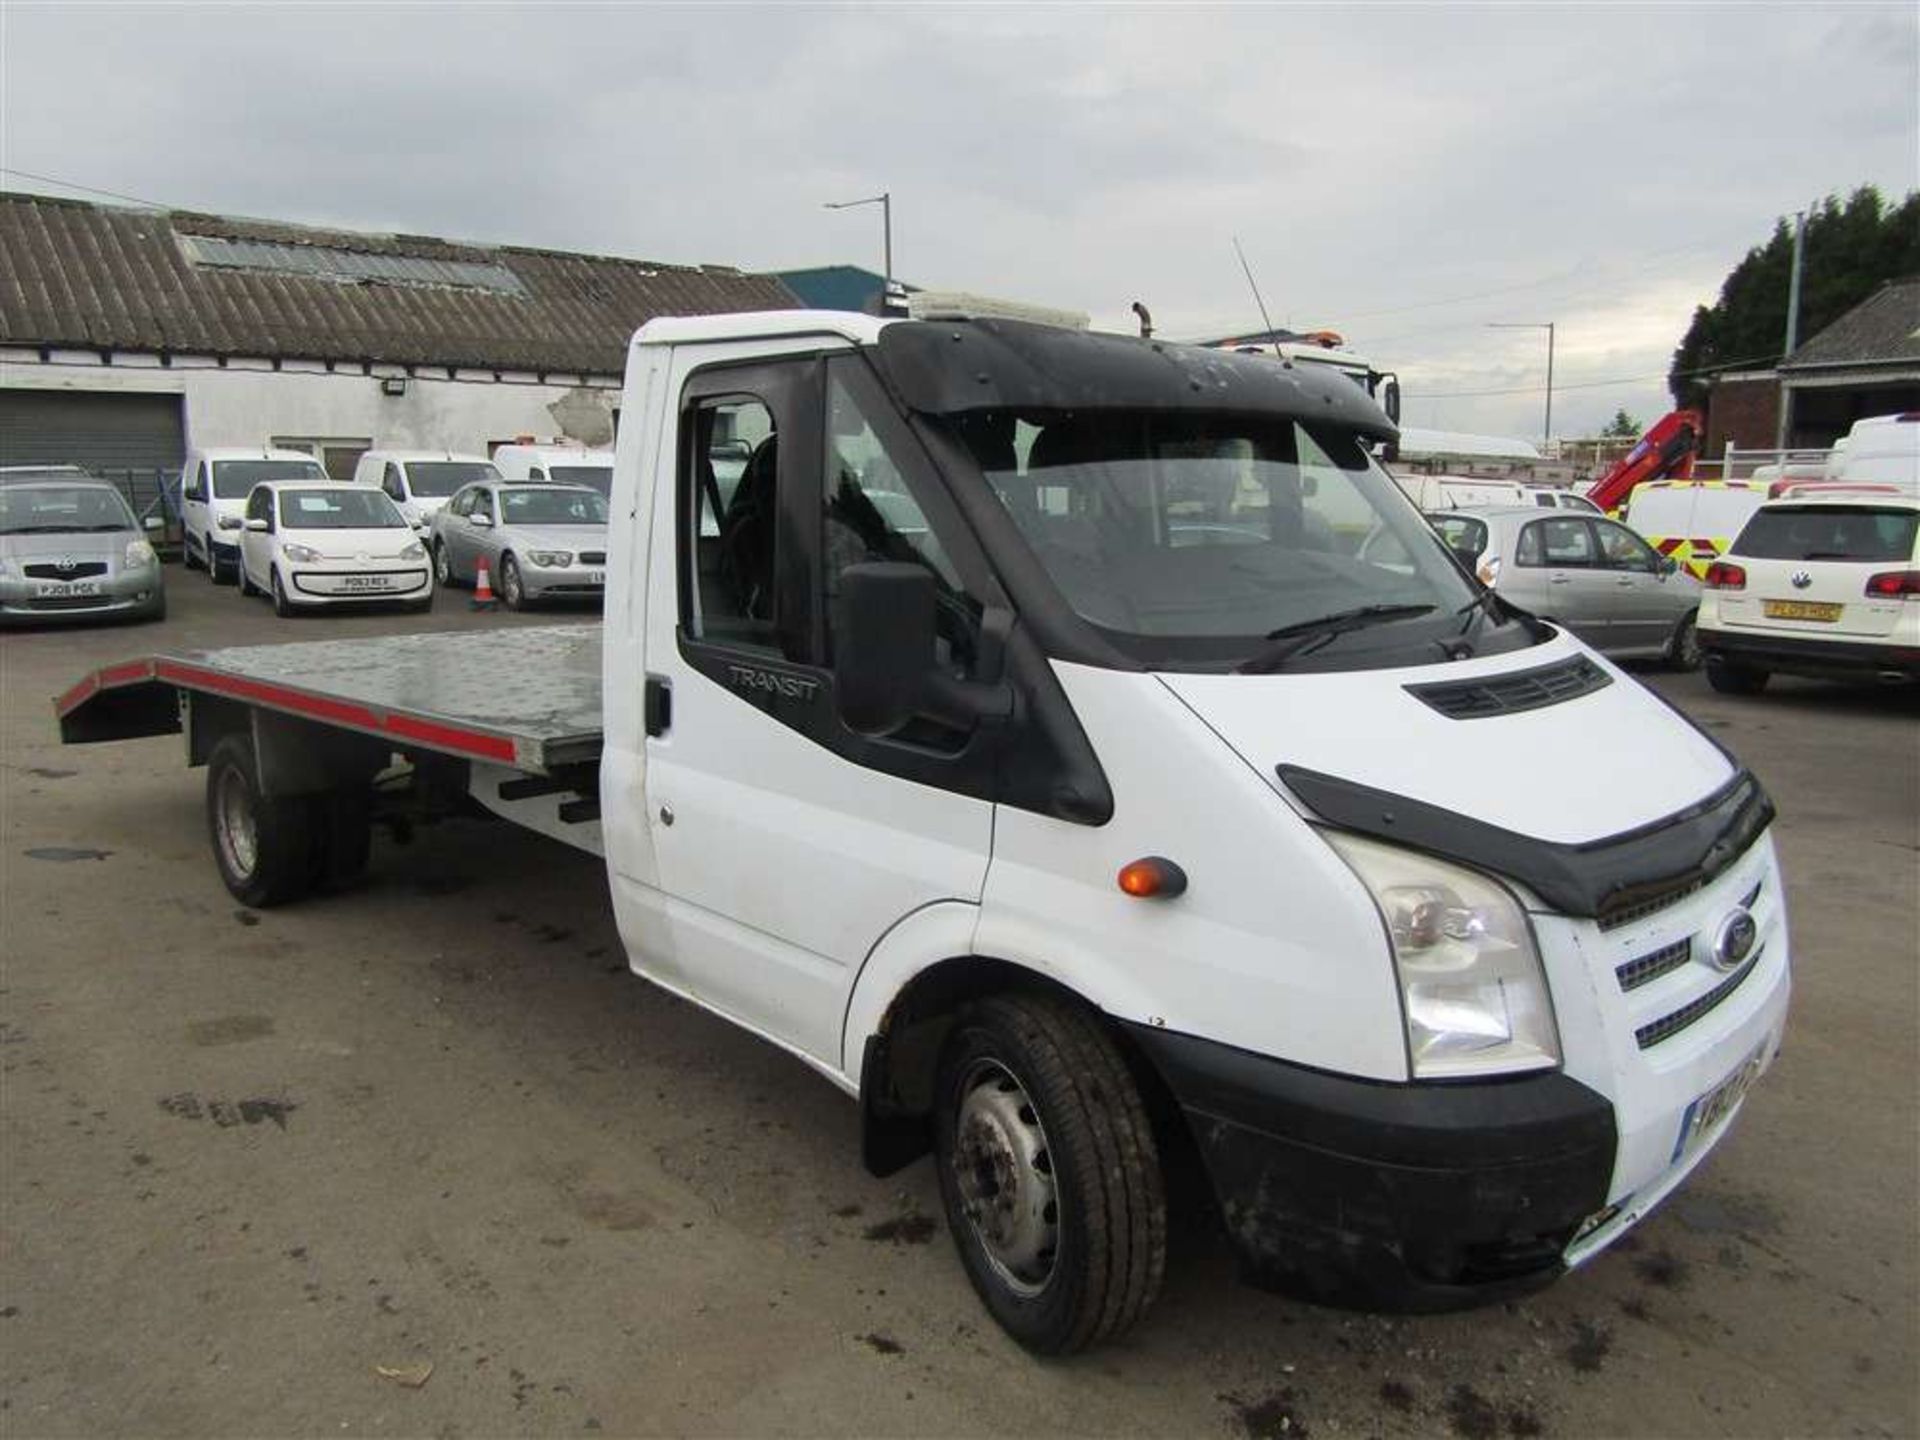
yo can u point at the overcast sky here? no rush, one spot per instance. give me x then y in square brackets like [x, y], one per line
[1402, 174]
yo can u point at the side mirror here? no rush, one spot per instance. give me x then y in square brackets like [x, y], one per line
[885, 667]
[259, 527]
[153, 522]
[485, 522]
[1668, 565]
[229, 522]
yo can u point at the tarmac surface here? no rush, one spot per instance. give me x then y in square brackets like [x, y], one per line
[259, 1170]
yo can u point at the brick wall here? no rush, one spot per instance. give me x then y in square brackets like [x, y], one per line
[1744, 412]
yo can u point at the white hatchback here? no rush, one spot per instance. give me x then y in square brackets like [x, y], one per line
[321, 543]
[1826, 586]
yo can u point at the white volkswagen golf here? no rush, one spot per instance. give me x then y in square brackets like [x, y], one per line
[319, 543]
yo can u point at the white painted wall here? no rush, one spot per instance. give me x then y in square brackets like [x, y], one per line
[247, 402]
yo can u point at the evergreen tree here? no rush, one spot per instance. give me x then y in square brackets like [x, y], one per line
[1853, 247]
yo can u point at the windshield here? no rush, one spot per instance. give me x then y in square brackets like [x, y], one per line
[235, 479]
[1191, 539]
[438, 479]
[51, 509]
[597, 477]
[355, 507]
[1829, 532]
[550, 505]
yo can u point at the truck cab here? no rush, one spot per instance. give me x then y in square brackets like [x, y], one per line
[1013, 746]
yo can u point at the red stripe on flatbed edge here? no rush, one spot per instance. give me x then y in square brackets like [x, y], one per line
[341, 712]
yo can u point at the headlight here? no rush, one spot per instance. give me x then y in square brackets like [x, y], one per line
[139, 555]
[415, 551]
[300, 554]
[8, 571]
[551, 559]
[1472, 989]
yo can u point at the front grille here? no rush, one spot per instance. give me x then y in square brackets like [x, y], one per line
[1511, 693]
[1614, 916]
[1649, 968]
[85, 570]
[70, 602]
[593, 557]
[1667, 1026]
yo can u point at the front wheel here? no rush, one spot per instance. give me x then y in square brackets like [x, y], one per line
[513, 589]
[442, 565]
[1049, 1172]
[264, 848]
[282, 606]
[1683, 650]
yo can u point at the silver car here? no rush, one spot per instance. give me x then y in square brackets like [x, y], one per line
[538, 540]
[71, 550]
[1587, 573]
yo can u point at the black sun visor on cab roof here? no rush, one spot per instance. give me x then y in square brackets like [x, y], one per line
[952, 367]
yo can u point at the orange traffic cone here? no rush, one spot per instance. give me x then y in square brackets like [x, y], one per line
[482, 591]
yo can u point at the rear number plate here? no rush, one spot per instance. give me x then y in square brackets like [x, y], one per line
[1800, 610]
[1704, 1115]
[71, 587]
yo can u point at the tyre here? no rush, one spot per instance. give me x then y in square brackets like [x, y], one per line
[442, 565]
[218, 573]
[240, 579]
[513, 589]
[282, 606]
[187, 562]
[1731, 679]
[1049, 1172]
[263, 848]
[1683, 650]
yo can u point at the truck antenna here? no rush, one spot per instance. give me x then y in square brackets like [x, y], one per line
[1265, 319]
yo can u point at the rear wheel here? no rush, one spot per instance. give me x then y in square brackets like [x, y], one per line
[513, 589]
[1731, 679]
[1049, 1172]
[1683, 650]
[264, 848]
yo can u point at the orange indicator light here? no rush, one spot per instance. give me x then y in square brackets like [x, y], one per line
[1153, 877]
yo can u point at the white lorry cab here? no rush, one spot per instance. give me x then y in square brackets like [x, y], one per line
[568, 464]
[1019, 752]
[420, 481]
[214, 486]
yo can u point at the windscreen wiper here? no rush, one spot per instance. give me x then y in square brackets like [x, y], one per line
[1306, 636]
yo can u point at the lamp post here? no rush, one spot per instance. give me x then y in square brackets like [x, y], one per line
[885, 201]
[1546, 325]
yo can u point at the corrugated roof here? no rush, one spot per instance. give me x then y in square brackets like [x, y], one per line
[1884, 328]
[101, 277]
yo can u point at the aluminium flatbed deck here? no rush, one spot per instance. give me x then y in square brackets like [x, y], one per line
[524, 698]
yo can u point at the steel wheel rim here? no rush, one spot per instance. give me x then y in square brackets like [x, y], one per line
[1003, 1168]
[239, 839]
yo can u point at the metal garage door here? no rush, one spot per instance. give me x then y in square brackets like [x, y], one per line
[98, 431]
[134, 440]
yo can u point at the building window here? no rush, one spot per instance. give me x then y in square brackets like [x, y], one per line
[338, 456]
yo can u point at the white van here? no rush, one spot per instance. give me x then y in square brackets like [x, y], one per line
[419, 481]
[1457, 492]
[569, 464]
[1883, 448]
[214, 485]
[1694, 521]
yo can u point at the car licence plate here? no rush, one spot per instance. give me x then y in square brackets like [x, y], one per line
[366, 582]
[1800, 610]
[1705, 1114]
[596, 577]
[68, 587]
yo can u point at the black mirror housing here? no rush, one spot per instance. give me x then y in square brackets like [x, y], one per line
[884, 629]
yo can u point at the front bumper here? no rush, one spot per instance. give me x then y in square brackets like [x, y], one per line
[555, 582]
[358, 584]
[1391, 1196]
[1823, 659]
[127, 594]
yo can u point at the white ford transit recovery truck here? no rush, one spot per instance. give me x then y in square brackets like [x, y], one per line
[1012, 746]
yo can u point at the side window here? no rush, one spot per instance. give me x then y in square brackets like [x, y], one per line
[258, 505]
[1544, 498]
[735, 509]
[870, 511]
[1623, 549]
[482, 504]
[534, 472]
[1528, 552]
[393, 485]
[1567, 544]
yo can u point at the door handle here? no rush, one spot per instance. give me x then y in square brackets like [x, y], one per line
[1559, 579]
[657, 706]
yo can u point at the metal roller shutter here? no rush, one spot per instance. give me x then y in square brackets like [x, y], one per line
[99, 431]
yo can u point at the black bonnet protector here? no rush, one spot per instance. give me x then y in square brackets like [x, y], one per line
[1590, 879]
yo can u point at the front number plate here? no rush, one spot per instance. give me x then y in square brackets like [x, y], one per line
[366, 582]
[70, 587]
[596, 577]
[1800, 610]
[1705, 1114]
